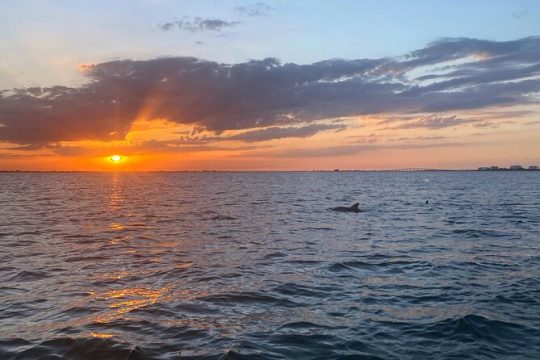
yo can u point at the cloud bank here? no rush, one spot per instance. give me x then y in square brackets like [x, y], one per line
[446, 75]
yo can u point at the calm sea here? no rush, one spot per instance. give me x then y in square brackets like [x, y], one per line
[256, 266]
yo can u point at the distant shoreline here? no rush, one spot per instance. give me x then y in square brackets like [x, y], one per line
[269, 171]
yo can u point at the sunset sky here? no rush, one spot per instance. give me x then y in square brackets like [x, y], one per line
[271, 85]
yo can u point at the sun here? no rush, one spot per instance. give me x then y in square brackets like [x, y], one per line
[116, 158]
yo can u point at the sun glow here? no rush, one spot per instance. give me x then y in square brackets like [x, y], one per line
[116, 158]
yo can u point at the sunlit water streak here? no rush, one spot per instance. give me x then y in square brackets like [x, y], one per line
[256, 266]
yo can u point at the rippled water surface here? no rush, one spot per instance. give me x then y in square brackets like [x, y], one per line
[256, 266]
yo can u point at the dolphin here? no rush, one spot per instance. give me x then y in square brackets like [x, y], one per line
[354, 208]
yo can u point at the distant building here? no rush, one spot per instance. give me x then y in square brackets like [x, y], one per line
[512, 168]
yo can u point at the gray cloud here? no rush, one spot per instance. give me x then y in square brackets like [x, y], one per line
[257, 135]
[266, 93]
[198, 24]
[275, 132]
[257, 9]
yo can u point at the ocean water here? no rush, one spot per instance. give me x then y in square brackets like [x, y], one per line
[256, 266]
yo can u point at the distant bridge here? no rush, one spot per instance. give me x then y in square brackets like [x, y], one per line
[382, 170]
[414, 169]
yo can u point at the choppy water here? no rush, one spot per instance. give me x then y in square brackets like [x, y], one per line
[255, 266]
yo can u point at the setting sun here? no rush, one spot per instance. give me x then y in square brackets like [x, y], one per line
[270, 179]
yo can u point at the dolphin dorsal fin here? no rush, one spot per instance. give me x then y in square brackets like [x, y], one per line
[355, 206]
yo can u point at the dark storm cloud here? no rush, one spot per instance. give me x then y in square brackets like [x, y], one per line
[257, 9]
[267, 93]
[198, 24]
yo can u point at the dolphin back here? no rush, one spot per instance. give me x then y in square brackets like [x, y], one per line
[353, 208]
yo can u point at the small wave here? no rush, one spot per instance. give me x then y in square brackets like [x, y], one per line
[248, 298]
[390, 266]
[291, 289]
[28, 233]
[29, 276]
[476, 233]
[305, 262]
[69, 348]
[223, 217]
[304, 325]
[138, 225]
[475, 328]
[85, 258]
[275, 255]
[320, 228]
[350, 265]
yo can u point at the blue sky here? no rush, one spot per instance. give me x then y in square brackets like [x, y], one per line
[44, 41]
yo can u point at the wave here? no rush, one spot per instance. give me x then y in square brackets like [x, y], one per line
[470, 336]
[390, 266]
[29, 276]
[249, 298]
[69, 348]
[477, 233]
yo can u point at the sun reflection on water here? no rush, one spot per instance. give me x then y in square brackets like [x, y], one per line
[101, 335]
[116, 195]
[116, 226]
[122, 301]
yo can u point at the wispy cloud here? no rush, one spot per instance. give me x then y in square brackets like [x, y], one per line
[435, 121]
[346, 150]
[256, 9]
[520, 14]
[198, 24]
[276, 132]
[420, 138]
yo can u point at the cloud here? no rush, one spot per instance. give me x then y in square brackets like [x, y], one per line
[258, 135]
[275, 132]
[41, 115]
[489, 75]
[420, 138]
[520, 14]
[198, 24]
[366, 139]
[433, 122]
[346, 150]
[257, 9]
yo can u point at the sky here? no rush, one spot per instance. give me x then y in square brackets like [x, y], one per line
[269, 85]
